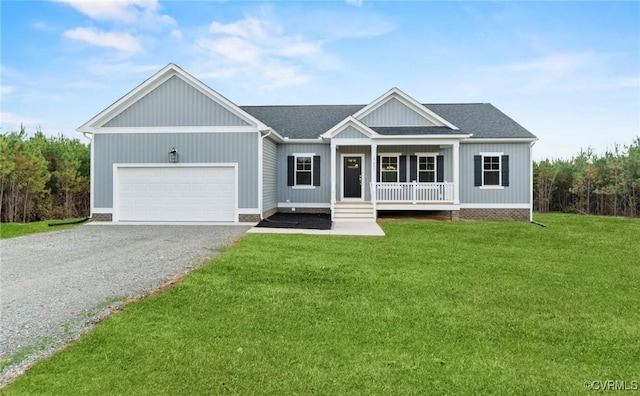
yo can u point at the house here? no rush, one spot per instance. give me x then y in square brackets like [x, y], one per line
[173, 149]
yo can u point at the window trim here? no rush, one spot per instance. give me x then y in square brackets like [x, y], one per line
[295, 171]
[498, 186]
[435, 166]
[397, 171]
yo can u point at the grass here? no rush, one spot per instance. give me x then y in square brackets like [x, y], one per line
[433, 308]
[12, 230]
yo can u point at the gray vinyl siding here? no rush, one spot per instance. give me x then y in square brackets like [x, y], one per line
[269, 174]
[175, 103]
[519, 189]
[448, 163]
[394, 113]
[240, 148]
[319, 194]
[350, 133]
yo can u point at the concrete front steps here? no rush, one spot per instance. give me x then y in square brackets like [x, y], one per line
[353, 211]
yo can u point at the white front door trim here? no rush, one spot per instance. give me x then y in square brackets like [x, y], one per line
[362, 177]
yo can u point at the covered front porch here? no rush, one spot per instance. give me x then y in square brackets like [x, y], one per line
[399, 174]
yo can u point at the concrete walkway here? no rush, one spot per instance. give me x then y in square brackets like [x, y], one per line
[356, 228]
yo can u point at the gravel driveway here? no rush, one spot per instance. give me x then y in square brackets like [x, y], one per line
[50, 283]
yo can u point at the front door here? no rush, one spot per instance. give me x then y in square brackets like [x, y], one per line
[352, 186]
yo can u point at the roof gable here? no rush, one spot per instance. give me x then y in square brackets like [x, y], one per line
[171, 98]
[350, 128]
[395, 113]
[395, 108]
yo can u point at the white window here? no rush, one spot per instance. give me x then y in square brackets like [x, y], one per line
[389, 169]
[427, 169]
[304, 171]
[490, 170]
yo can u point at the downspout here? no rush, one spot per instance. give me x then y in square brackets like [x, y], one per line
[261, 174]
[531, 180]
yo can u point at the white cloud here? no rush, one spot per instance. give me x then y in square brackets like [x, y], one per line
[124, 42]
[249, 28]
[176, 34]
[356, 3]
[15, 119]
[45, 27]
[6, 89]
[259, 50]
[554, 65]
[302, 49]
[233, 49]
[142, 13]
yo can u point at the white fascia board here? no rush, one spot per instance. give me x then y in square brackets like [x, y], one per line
[351, 142]
[151, 130]
[417, 140]
[407, 101]
[305, 141]
[347, 122]
[498, 140]
[273, 135]
[155, 81]
[456, 138]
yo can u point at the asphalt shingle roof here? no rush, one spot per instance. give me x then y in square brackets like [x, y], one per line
[482, 120]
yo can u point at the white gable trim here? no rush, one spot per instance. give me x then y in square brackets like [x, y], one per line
[155, 81]
[346, 123]
[395, 93]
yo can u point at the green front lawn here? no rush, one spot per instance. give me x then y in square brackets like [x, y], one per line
[11, 230]
[433, 308]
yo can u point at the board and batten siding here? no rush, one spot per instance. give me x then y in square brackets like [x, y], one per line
[519, 189]
[175, 103]
[318, 194]
[350, 133]
[240, 148]
[269, 175]
[394, 113]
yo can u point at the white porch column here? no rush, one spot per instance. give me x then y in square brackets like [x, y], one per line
[374, 176]
[456, 173]
[333, 178]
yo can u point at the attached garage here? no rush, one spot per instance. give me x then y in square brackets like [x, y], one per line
[177, 192]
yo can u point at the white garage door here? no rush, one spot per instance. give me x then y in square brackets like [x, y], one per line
[182, 193]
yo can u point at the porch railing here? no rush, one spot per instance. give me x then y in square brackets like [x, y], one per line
[412, 192]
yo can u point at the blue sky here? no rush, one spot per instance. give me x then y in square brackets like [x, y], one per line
[567, 71]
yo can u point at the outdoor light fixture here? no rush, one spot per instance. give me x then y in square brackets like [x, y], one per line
[173, 155]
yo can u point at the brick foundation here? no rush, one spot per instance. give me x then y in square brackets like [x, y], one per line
[102, 217]
[249, 218]
[455, 215]
[494, 214]
[269, 212]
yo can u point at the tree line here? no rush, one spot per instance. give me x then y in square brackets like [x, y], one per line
[43, 177]
[606, 184]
